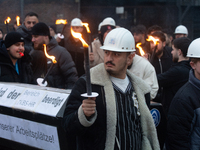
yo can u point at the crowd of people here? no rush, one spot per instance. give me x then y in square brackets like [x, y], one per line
[126, 80]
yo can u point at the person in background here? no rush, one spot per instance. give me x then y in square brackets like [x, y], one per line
[14, 61]
[96, 56]
[30, 20]
[139, 33]
[118, 118]
[180, 31]
[183, 117]
[174, 78]
[63, 74]
[1, 34]
[74, 46]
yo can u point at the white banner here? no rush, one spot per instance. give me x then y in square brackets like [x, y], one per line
[29, 133]
[33, 100]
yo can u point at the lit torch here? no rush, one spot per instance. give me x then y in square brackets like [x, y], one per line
[18, 20]
[61, 21]
[87, 66]
[8, 19]
[42, 82]
[138, 45]
[86, 25]
[156, 42]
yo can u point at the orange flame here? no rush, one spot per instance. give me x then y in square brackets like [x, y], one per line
[140, 49]
[8, 19]
[18, 20]
[61, 21]
[87, 27]
[151, 38]
[47, 55]
[79, 36]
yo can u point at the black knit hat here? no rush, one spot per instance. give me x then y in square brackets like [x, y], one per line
[40, 29]
[12, 38]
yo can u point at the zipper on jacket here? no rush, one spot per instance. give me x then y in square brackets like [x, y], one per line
[161, 70]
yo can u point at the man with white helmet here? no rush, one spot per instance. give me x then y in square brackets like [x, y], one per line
[73, 45]
[119, 117]
[183, 118]
[181, 31]
[97, 54]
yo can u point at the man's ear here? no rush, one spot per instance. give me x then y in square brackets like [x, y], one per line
[180, 52]
[164, 44]
[130, 58]
[192, 64]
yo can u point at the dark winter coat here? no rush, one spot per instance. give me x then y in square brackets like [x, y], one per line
[77, 53]
[7, 69]
[63, 74]
[172, 80]
[162, 65]
[27, 38]
[183, 126]
[98, 133]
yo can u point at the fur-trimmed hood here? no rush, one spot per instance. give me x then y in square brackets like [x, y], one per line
[99, 76]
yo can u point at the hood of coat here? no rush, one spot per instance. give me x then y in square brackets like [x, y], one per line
[52, 44]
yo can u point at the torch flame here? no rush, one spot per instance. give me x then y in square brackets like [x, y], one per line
[151, 38]
[18, 20]
[79, 36]
[8, 19]
[61, 21]
[87, 27]
[140, 49]
[47, 55]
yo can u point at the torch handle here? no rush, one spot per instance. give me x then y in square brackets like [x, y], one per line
[63, 29]
[7, 27]
[47, 73]
[153, 55]
[87, 72]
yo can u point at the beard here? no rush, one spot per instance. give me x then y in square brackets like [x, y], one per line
[39, 46]
[158, 52]
[175, 59]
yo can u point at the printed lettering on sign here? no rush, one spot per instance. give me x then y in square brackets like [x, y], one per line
[29, 133]
[29, 99]
[51, 103]
[10, 94]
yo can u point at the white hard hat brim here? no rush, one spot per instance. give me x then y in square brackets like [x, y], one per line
[116, 50]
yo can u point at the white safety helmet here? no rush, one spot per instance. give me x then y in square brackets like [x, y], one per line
[99, 27]
[76, 22]
[194, 49]
[119, 40]
[108, 21]
[181, 30]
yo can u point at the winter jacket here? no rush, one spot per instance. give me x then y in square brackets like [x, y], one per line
[162, 65]
[63, 74]
[183, 126]
[97, 52]
[7, 69]
[99, 132]
[27, 38]
[172, 80]
[143, 69]
[77, 53]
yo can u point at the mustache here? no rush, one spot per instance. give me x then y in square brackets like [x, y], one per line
[110, 62]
